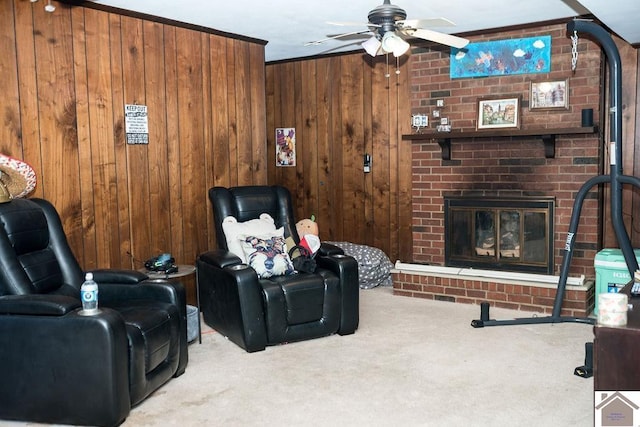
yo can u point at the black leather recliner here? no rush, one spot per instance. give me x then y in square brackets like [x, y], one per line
[253, 312]
[59, 366]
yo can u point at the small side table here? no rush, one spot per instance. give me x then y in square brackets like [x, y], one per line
[183, 270]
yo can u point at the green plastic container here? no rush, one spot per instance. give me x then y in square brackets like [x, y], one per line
[611, 272]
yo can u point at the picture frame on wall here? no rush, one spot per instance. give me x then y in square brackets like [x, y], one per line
[285, 147]
[529, 55]
[499, 112]
[549, 95]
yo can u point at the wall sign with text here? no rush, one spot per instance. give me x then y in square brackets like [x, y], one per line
[136, 124]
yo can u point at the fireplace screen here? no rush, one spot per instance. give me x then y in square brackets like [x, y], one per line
[506, 234]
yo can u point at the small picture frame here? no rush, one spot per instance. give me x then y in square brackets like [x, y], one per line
[285, 147]
[420, 121]
[499, 113]
[549, 95]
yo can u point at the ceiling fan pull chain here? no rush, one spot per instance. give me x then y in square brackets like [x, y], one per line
[574, 51]
[397, 65]
[386, 55]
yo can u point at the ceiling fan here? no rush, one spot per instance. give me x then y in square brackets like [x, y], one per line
[390, 28]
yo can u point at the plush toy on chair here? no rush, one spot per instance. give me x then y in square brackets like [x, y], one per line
[307, 230]
[307, 226]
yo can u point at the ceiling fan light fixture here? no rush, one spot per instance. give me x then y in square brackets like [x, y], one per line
[391, 43]
[401, 48]
[372, 46]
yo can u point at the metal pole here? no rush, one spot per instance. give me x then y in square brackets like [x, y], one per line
[615, 151]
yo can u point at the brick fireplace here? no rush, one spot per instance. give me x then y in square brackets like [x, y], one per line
[507, 167]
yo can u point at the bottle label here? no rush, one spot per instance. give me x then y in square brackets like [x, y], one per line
[89, 296]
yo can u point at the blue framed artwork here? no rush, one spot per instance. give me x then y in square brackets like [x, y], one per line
[502, 57]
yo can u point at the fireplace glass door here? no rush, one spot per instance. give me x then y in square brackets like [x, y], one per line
[507, 234]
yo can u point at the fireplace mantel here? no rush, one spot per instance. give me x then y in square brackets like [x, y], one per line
[548, 137]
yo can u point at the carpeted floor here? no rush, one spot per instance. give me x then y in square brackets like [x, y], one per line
[412, 362]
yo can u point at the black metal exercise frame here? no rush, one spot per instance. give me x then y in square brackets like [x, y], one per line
[615, 178]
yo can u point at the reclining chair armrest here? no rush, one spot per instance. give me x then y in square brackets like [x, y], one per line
[327, 249]
[91, 351]
[44, 305]
[158, 290]
[346, 268]
[116, 285]
[171, 292]
[120, 276]
[231, 299]
[220, 258]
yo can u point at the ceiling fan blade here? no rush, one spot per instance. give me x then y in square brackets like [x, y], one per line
[434, 36]
[352, 24]
[338, 36]
[425, 23]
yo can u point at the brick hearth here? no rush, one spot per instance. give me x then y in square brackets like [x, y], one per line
[506, 293]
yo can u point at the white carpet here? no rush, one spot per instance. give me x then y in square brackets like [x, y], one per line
[412, 362]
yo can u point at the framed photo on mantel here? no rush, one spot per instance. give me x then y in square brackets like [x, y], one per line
[549, 95]
[499, 113]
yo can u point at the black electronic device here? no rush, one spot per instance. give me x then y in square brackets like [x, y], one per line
[164, 263]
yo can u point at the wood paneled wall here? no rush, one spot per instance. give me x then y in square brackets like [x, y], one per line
[342, 107]
[65, 78]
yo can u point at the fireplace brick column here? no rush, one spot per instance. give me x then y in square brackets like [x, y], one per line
[504, 164]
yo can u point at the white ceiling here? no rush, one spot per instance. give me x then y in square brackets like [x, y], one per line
[288, 24]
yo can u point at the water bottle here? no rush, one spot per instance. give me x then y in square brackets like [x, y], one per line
[89, 294]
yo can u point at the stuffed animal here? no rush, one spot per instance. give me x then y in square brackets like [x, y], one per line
[308, 232]
[307, 226]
